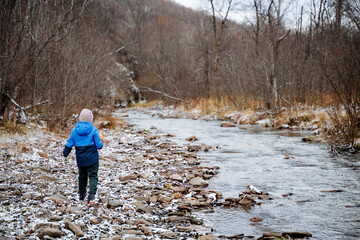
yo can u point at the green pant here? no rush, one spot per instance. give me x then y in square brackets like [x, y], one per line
[90, 173]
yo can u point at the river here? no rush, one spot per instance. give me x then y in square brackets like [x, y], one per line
[254, 155]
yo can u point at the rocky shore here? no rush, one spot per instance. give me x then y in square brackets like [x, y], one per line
[149, 188]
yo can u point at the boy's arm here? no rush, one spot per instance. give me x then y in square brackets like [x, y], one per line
[69, 144]
[97, 140]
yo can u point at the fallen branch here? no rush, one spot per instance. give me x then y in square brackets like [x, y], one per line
[147, 89]
[23, 109]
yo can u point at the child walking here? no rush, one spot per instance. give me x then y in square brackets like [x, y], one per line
[87, 140]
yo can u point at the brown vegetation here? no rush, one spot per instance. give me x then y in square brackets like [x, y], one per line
[58, 57]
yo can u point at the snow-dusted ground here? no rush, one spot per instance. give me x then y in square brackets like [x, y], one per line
[143, 192]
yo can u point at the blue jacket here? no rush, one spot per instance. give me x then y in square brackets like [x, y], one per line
[85, 137]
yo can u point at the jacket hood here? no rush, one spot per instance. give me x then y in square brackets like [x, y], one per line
[83, 128]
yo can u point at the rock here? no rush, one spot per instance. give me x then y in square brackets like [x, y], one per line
[164, 199]
[332, 190]
[179, 189]
[128, 177]
[147, 231]
[270, 236]
[94, 221]
[198, 182]
[176, 177]
[51, 232]
[168, 234]
[74, 210]
[247, 201]
[207, 237]
[191, 139]
[131, 231]
[114, 203]
[297, 234]
[55, 218]
[3, 178]
[26, 195]
[140, 207]
[143, 222]
[315, 139]
[194, 148]
[194, 228]
[74, 228]
[171, 135]
[227, 124]
[46, 225]
[57, 199]
[256, 219]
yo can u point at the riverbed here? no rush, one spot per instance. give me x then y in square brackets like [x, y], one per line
[312, 189]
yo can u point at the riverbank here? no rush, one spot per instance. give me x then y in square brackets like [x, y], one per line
[149, 188]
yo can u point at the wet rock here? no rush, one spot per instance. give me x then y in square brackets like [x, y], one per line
[332, 190]
[191, 139]
[297, 234]
[95, 220]
[128, 177]
[27, 195]
[247, 201]
[51, 232]
[176, 177]
[194, 148]
[194, 228]
[164, 145]
[198, 182]
[132, 232]
[207, 237]
[74, 228]
[270, 236]
[171, 135]
[316, 139]
[228, 124]
[256, 219]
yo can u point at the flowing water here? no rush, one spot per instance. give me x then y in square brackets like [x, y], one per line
[254, 155]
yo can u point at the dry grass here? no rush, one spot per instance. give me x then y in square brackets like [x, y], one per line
[146, 104]
[13, 128]
[109, 122]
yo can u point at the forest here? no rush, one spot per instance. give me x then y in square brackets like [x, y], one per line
[58, 57]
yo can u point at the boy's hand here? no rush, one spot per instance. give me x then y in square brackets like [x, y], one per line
[101, 137]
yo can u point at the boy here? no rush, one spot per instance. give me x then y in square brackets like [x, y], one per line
[87, 140]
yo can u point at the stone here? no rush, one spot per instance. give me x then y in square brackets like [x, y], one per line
[198, 182]
[247, 200]
[3, 178]
[74, 228]
[179, 189]
[57, 199]
[55, 218]
[207, 237]
[140, 207]
[164, 199]
[46, 225]
[168, 234]
[147, 231]
[227, 124]
[256, 219]
[114, 203]
[128, 177]
[142, 221]
[194, 228]
[297, 234]
[194, 148]
[51, 232]
[176, 177]
[191, 139]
